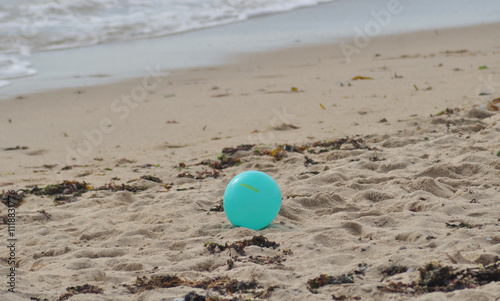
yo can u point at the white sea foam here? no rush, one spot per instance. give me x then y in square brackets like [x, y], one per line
[12, 67]
[4, 83]
[28, 26]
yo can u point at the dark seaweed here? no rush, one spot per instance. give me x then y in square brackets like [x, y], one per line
[152, 179]
[435, 277]
[12, 198]
[84, 289]
[239, 246]
[223, 285]
[322, 280]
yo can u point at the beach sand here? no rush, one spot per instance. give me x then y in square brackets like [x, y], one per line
[413, 184]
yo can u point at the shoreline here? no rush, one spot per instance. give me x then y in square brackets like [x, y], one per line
[321, 24]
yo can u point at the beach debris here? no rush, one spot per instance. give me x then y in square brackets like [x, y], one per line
[397, 76]
[148, 165]
[192, 296]
[233, 150]
[65, 192]
[200, 175]
[205, 127]
[362, 267]
[221, 95]
[15, 148]
[285, 127]
[448, 111]
[278, 153]
[426, 89]
[172, 122]
[218, 207]
[461, 51]
[239, 246]
[338, 143]
[122, 161]
[220, 284]
[296, 196]
[263, 260]
[84, 174]
[309, 172]
[65, 188]
[494, 105]
[152, 178]
[361, 78]
[484, 93]
[435, 277]
[184, 189]
[393, 270]
[12, 198]
[292, 90]
[375, 158]
[309, 161]
[322, 280]
[44, 213]
[482, 67]
[323, 146]
[460, 225]
[64, 199]
[83, 289]
[383, 120]
[114, 187]
[223, 162]
[294, 148]
[498, 153]
[409, 56]
[153, 282]
[322, 106]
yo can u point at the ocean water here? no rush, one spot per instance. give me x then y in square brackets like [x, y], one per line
[42, 42]
[30, 26]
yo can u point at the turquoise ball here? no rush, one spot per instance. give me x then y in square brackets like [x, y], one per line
[252, 200]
